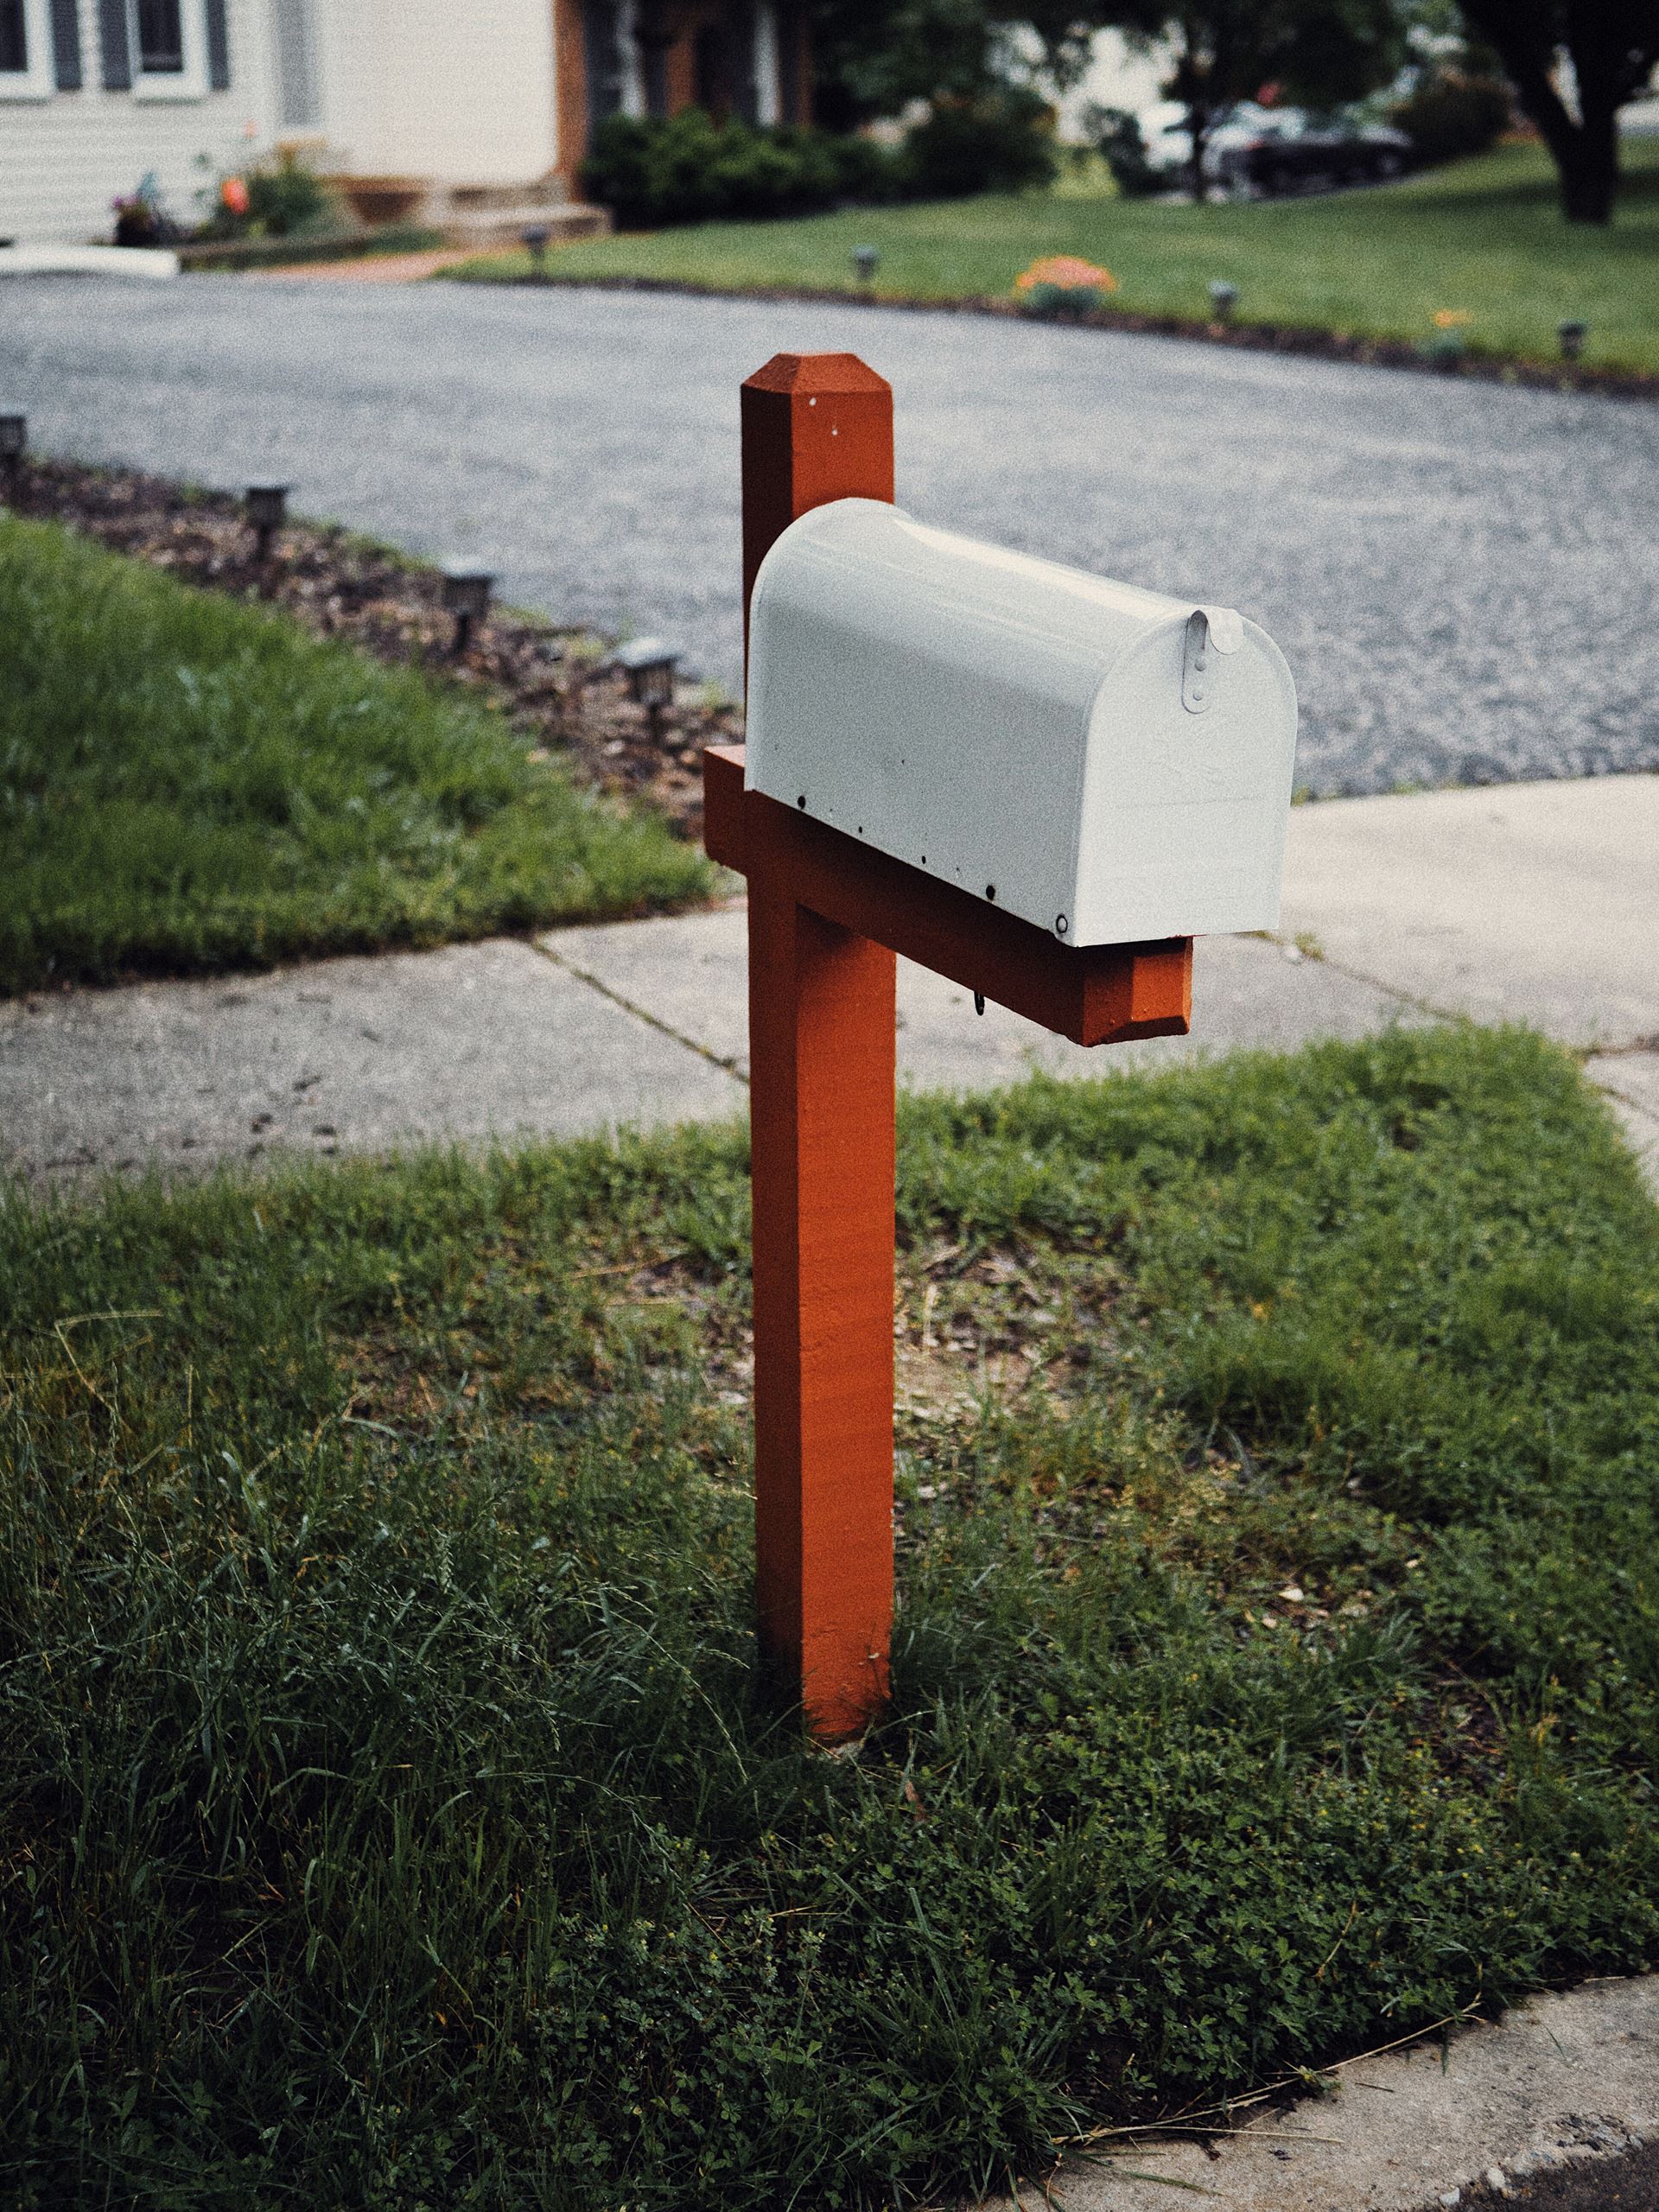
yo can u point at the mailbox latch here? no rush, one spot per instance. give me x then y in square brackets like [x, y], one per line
[1209, 631]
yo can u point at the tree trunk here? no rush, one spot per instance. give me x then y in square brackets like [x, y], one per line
[1198, 121]
[1589, 185]
[1588, 163]
[1609, 71]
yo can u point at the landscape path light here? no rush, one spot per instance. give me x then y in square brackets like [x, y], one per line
[14, 442]
[535, 241]
[1125, 781]
[266, 508]
[1572, 333]
[650, 666]
[1223, 298]
[867, 259]
[467, 588]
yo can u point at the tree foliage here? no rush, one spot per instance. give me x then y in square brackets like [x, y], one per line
[1317, 53]
[876, 55]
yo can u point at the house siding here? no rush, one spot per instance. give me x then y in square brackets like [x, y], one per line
[63, 159]
[423, 88]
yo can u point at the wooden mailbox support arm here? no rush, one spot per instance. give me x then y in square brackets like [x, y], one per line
[827, 915]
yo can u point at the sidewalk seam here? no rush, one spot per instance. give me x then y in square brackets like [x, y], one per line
[1636, 1049]
[728, 1066]
[1374, 982]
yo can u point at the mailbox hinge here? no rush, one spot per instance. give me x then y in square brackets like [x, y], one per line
[1209, 631]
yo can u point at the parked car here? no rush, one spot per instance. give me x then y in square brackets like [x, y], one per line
[1268, 151]
[1285, 149]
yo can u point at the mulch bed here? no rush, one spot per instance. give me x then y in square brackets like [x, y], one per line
[1252, 337]
[548, 679]
[299, 252]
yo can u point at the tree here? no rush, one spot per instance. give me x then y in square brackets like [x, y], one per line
[874, 57]
[1613, 46]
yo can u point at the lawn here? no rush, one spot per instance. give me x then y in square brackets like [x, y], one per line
[389, 1815]
[189, 782]
[1483, 237]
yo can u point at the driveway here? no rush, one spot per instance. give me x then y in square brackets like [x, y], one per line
[1462, 574]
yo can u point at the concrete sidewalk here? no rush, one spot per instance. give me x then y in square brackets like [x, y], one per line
[1525, 902]
[1566, 2085]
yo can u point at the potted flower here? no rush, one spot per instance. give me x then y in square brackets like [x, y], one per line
[138, 217]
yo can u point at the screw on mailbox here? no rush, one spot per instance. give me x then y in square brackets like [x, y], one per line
[1572, 333]
[649, 665]
[467, 589]
[266, 508]
[535, 237]
[1116, 826]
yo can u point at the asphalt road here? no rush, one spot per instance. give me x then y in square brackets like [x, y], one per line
[1462, 574]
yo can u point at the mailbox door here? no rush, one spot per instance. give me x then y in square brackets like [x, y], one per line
[1184, 814]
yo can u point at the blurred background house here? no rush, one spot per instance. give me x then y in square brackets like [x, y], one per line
[475, 119]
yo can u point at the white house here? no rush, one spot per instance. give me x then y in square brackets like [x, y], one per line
[498, 98]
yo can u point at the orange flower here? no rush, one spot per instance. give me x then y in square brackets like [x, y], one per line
[1067, 273]
[234, 194]
[1452, 318]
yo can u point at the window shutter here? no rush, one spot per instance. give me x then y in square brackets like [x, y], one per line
[112, 40]
[218, 46]
[65, 45]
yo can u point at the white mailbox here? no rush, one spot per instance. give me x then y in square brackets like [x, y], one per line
[1109, 763]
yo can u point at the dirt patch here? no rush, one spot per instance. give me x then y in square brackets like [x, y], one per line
[550, 680]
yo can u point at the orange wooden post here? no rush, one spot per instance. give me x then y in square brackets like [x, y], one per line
[827, 915]
[816, 428]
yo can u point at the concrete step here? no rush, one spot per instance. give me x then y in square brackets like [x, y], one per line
[485, 227]
[474, 198]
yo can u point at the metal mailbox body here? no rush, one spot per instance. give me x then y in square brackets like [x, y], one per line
[1109, 763]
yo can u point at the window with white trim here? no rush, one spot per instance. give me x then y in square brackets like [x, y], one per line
[25, 50]
[169, 50]
[158, 41]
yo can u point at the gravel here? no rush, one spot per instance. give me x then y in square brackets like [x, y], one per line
[1462, 575]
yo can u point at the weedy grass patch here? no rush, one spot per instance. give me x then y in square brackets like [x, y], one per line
[1482, 239]
[189, 783]
[389, 1813]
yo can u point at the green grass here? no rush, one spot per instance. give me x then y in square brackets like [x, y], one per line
[1484, 236]
[389, 1815]
[189, 782]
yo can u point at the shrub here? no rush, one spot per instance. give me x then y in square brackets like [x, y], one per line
[999, 142]
[689, 168]
[1448, 116]
[277, 202]
[287, 197]
[871, 174]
